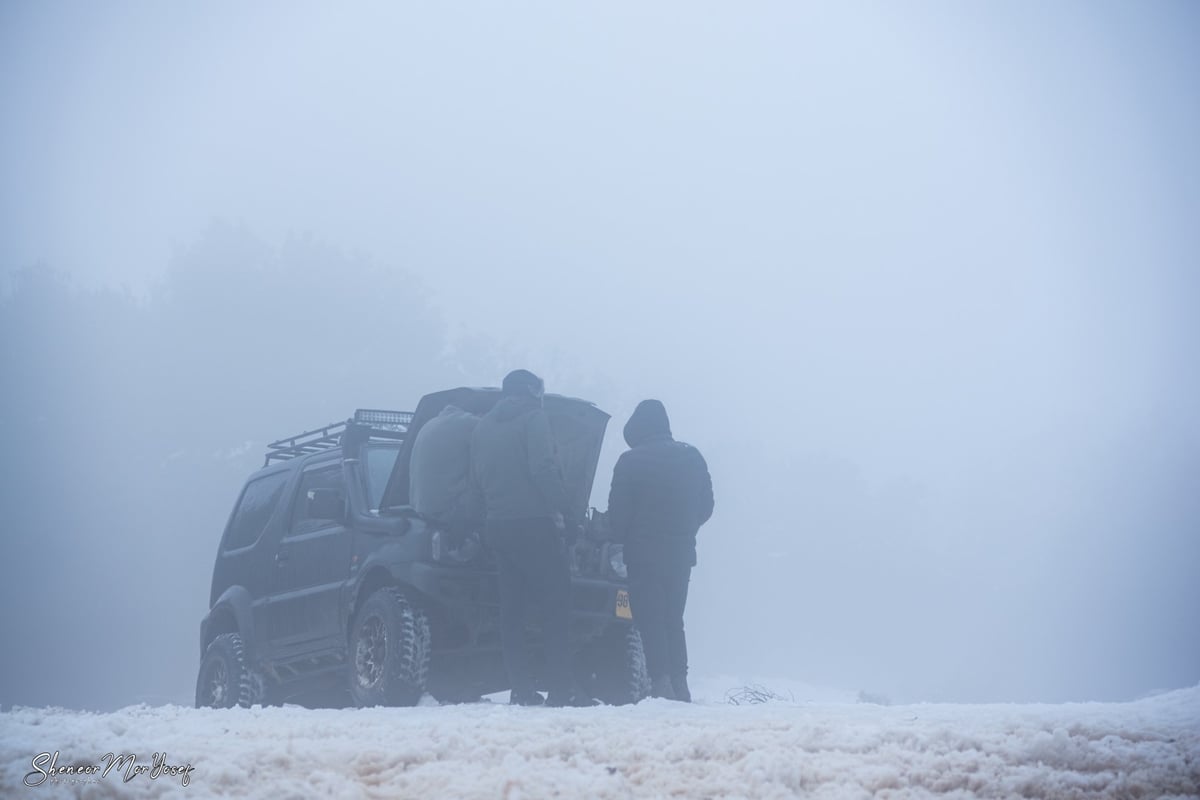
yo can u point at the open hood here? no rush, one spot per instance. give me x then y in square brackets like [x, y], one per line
[578, 428]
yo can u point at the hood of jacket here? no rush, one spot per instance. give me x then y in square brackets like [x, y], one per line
[649, 420]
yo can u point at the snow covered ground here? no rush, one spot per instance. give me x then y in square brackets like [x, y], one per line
[815, 744]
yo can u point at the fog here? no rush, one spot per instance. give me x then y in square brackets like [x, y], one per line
[920, 281]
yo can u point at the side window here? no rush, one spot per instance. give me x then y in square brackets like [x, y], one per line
[254, 510]
[320, 501]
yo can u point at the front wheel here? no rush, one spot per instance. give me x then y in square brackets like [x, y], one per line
[226, 679]
[613, 667]
[389, 651]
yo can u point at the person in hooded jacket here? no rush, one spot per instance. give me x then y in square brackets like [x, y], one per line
[513, 462]
[661, 494]
[440, 485]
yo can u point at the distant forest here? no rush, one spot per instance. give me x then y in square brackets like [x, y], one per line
[130, 422]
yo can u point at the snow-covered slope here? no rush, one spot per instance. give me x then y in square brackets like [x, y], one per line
[812, 748]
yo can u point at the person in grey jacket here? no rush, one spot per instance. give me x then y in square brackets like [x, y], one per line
[440, 485]
[514, 464]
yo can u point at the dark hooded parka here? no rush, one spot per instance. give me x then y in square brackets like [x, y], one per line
[661, 491]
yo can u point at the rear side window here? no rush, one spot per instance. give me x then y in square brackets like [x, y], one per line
[254, 510]
[304, 517]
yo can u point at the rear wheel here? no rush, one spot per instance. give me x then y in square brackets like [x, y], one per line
[389, 651]
[613, 667]
[226, 679]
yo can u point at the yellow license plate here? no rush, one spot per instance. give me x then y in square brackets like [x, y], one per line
[623, 609]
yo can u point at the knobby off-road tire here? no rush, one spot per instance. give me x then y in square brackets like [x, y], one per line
[389, 651]
[613, 667]
[226, 678]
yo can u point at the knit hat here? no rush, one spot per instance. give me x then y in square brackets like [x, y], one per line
[522, 382]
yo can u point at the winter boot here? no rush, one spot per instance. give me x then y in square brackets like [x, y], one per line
[661, 687]
[679, 684]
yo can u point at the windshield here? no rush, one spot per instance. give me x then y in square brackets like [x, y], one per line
[380, 460]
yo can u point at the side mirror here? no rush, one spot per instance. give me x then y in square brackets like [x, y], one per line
[408, 512]
[326, 504]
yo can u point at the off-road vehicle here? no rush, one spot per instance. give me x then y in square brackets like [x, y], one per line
[329, 588]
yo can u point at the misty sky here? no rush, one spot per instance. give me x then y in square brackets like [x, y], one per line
[921, 280]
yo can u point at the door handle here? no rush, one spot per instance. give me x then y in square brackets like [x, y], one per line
[281, 558]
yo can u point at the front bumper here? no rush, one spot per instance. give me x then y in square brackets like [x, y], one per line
[456, 587]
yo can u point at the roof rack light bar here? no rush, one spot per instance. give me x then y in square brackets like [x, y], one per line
[376, 416]
[385, 424]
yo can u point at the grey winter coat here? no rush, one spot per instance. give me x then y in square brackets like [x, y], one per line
[513, 462]
[440, 473]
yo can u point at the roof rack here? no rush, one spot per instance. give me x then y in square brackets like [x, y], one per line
[380, 424]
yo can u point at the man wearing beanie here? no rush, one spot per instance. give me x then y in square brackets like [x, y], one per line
[661, 495]
[513, 462]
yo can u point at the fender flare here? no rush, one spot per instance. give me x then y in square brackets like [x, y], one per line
[236, 602]
[396, 575]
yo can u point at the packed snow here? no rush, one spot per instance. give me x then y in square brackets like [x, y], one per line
[802, 742]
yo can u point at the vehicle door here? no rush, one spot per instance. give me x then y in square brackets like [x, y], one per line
[246, 556]
[312, 563]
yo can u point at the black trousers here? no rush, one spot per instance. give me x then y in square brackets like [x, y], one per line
[533, 572]
[657, 596]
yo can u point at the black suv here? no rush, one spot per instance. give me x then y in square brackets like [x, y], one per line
[330, 589]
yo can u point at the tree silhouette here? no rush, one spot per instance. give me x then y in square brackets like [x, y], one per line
[130, 423]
